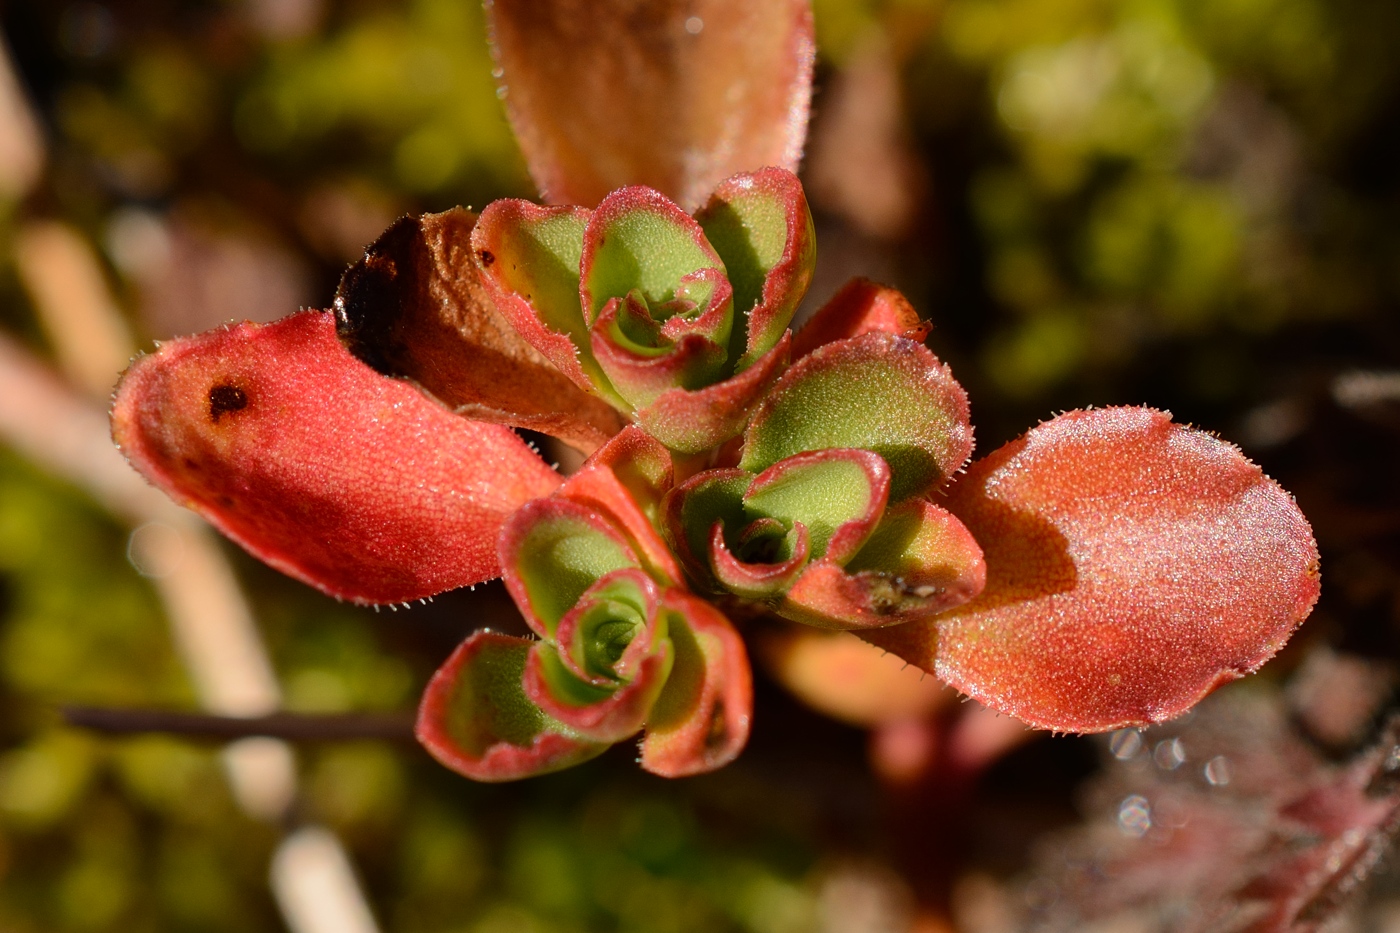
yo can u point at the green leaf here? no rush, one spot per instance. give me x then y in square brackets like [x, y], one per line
[824, 491]
[761, 227]
[552, 550]
[476, 719]
[876, 392]
[638, 239]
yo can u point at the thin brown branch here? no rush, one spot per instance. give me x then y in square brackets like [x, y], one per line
[293, 727]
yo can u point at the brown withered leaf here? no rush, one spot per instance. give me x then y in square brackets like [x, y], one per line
[675, 94]
[414, 308]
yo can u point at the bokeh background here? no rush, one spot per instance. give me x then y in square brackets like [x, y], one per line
[1192, 204]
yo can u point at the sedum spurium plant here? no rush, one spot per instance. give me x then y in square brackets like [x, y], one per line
[1108, 568]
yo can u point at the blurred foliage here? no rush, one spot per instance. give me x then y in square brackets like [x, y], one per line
[1190, 203]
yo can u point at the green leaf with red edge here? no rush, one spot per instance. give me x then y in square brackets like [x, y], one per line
[692, 510]
[637, 238]
[860, 307]
[761, 227]
[701, 720]
[695, 421]
[643, 466]
[876, 392]
[623, 483]
[610, 661]
[352, 482]
[476, 719]
[415, 307]
[528, 259]
[919, 561]
[1133, 565]
[552, 550]
[675, 95]
[838, 495]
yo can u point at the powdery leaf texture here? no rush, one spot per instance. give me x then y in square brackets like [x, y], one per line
[674, 95]
[415, 307]
[352, 482]
[1133, 565]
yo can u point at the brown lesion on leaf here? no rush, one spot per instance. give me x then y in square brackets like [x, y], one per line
[224, 399]
[414, 308]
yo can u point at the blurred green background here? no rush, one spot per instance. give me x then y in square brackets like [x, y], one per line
[1193, 204]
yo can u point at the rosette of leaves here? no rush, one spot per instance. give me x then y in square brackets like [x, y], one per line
[1107, 568]
[622, 646]
[827, 518]
[679, 322]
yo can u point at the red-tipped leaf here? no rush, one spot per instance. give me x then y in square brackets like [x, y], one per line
[352, 482]
[860, 307]
[1133, 565]
[475, 718]
[877, 392]
[701, 720]
[760, 225]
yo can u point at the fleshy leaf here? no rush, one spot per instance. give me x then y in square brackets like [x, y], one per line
[920, 561]
[611, 661]
[694, 421]
[415, 307]
[701, 720]
[860, 307]
[787, 551]
[876, 392]
[620, 483]
[677, 96]
[528, 259]
[352, 482]
[692, 510]
[642, 464]
[837, 494]
[637, 238]
[1133, 565]
[475, 718]
[642, 367]
[759, 224]
[552, 550]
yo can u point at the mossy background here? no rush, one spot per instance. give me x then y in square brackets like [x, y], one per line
[1193, 204]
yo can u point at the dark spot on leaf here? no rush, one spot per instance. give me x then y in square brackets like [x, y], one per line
[226, 501]
[191, 464]
[719, 728]
[224, 399]
[486, 257]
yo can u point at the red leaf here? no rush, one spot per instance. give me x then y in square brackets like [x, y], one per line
[701, 720]
[861, 306]
[675, 95]
[1133, 565]
[350, 481]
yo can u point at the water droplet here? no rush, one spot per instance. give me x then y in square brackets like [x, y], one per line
[1169, 754]
[1217, 771]
[1125, 744]
[498, 72]
[1134, 816]
[501, 92]
[693, 25]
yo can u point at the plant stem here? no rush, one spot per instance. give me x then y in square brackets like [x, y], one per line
[295, 727]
